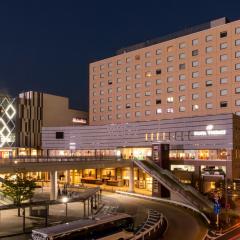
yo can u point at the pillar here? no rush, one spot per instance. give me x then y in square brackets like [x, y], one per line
[67, 177]
[131, 179]
[53, 185]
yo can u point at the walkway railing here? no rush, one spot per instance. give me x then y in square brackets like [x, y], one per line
[46, 159]
[155, 223]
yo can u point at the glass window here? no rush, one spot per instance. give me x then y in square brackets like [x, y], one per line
[195, 42]
[195, 63]
[182, 109]
[110, 99]
[182, 87]
[237, 90]
[195, 52]
[137, 114]
[128, 78]
[209, 71]
[137, 104]
[101, 66]
[101, 75]
[237, 42]
[158, 71]
[169, 110]
[147, 84]
[209, 60]
[119, 71]
[119, 116]
[223, 104]
[137, 76]
[209, 94]
[182, 45]
[170, 69]
[148, 64]
[158, 91]
[223, 80]
[137, 66]
[119, 80]
[237, 66]
[159, 111]
[137, 85]
[119, 89]
[110, 90]
[109, 117]
[237, 102]
[223, 45]
[147, 93]
[170, 79]
[209, 105]
[182, 66]
[223, 92]
[237, 54]
[209, 38]
[195, 85]
[158, 61]
[237, 30]
[224, 57]
[182, 77]
[137, 95]
[128, 59]
[147, 54]
[237, 78]
[209, 49]
[158, 101]
[170, 58]
[223, 69]
[158, 81]
[128, 69]
[128, 87]
[147, 102]
[158, 51]
[148, 112]
[170, 99]
[182, 98]
[208, 83]
[128, 96]
[195, 96]
[170, 89]
[182, 56]
[110, 73]
[109, 82]
[195, 74]
[119, 62]
[223, 34]
[195, 107]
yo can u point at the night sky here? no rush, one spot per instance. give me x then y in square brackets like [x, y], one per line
[47, 45]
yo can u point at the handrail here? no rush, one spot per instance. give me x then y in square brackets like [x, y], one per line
[156, 226]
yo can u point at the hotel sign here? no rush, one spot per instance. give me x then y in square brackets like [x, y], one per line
[210, 132]
[185, 135]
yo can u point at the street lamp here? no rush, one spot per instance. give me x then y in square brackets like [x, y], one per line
[65, 200]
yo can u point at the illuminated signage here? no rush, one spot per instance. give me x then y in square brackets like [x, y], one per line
[7, 121]
[79, 120]
[210, 132]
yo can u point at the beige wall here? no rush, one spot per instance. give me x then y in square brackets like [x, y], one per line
[105, 107]
[56, 111]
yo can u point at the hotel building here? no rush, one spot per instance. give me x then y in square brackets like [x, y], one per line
[182, 89]
[193, 72]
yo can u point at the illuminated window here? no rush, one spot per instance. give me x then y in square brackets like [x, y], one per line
[182, 98]
[209, 105]
[159, 111]
[223, 69]
[170, 99]
[169, 110]
[223, 45]
[195, 63]
[195, 96]
[182, 109]
[148, 74]
[195, 107]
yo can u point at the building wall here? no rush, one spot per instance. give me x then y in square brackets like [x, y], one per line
[192, 75]
[36, 110]
[179, 133]
[57, 113]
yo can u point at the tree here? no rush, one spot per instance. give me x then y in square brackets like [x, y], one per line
[19, 188]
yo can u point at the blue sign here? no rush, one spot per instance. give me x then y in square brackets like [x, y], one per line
[217, 208]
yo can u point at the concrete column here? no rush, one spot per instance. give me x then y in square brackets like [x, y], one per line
[84, 209]
[67, 177]
[131, 179]
[53, 185]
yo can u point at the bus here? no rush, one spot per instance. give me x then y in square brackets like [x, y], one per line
[114, 226]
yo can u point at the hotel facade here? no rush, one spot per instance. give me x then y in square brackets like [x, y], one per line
[182, 89]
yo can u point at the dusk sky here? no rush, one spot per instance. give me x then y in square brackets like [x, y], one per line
[48, 45]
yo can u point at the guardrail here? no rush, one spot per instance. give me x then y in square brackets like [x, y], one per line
[15, 161]
[167, 201]
[158, 222]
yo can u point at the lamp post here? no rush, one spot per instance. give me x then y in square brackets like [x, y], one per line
[65, 201]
